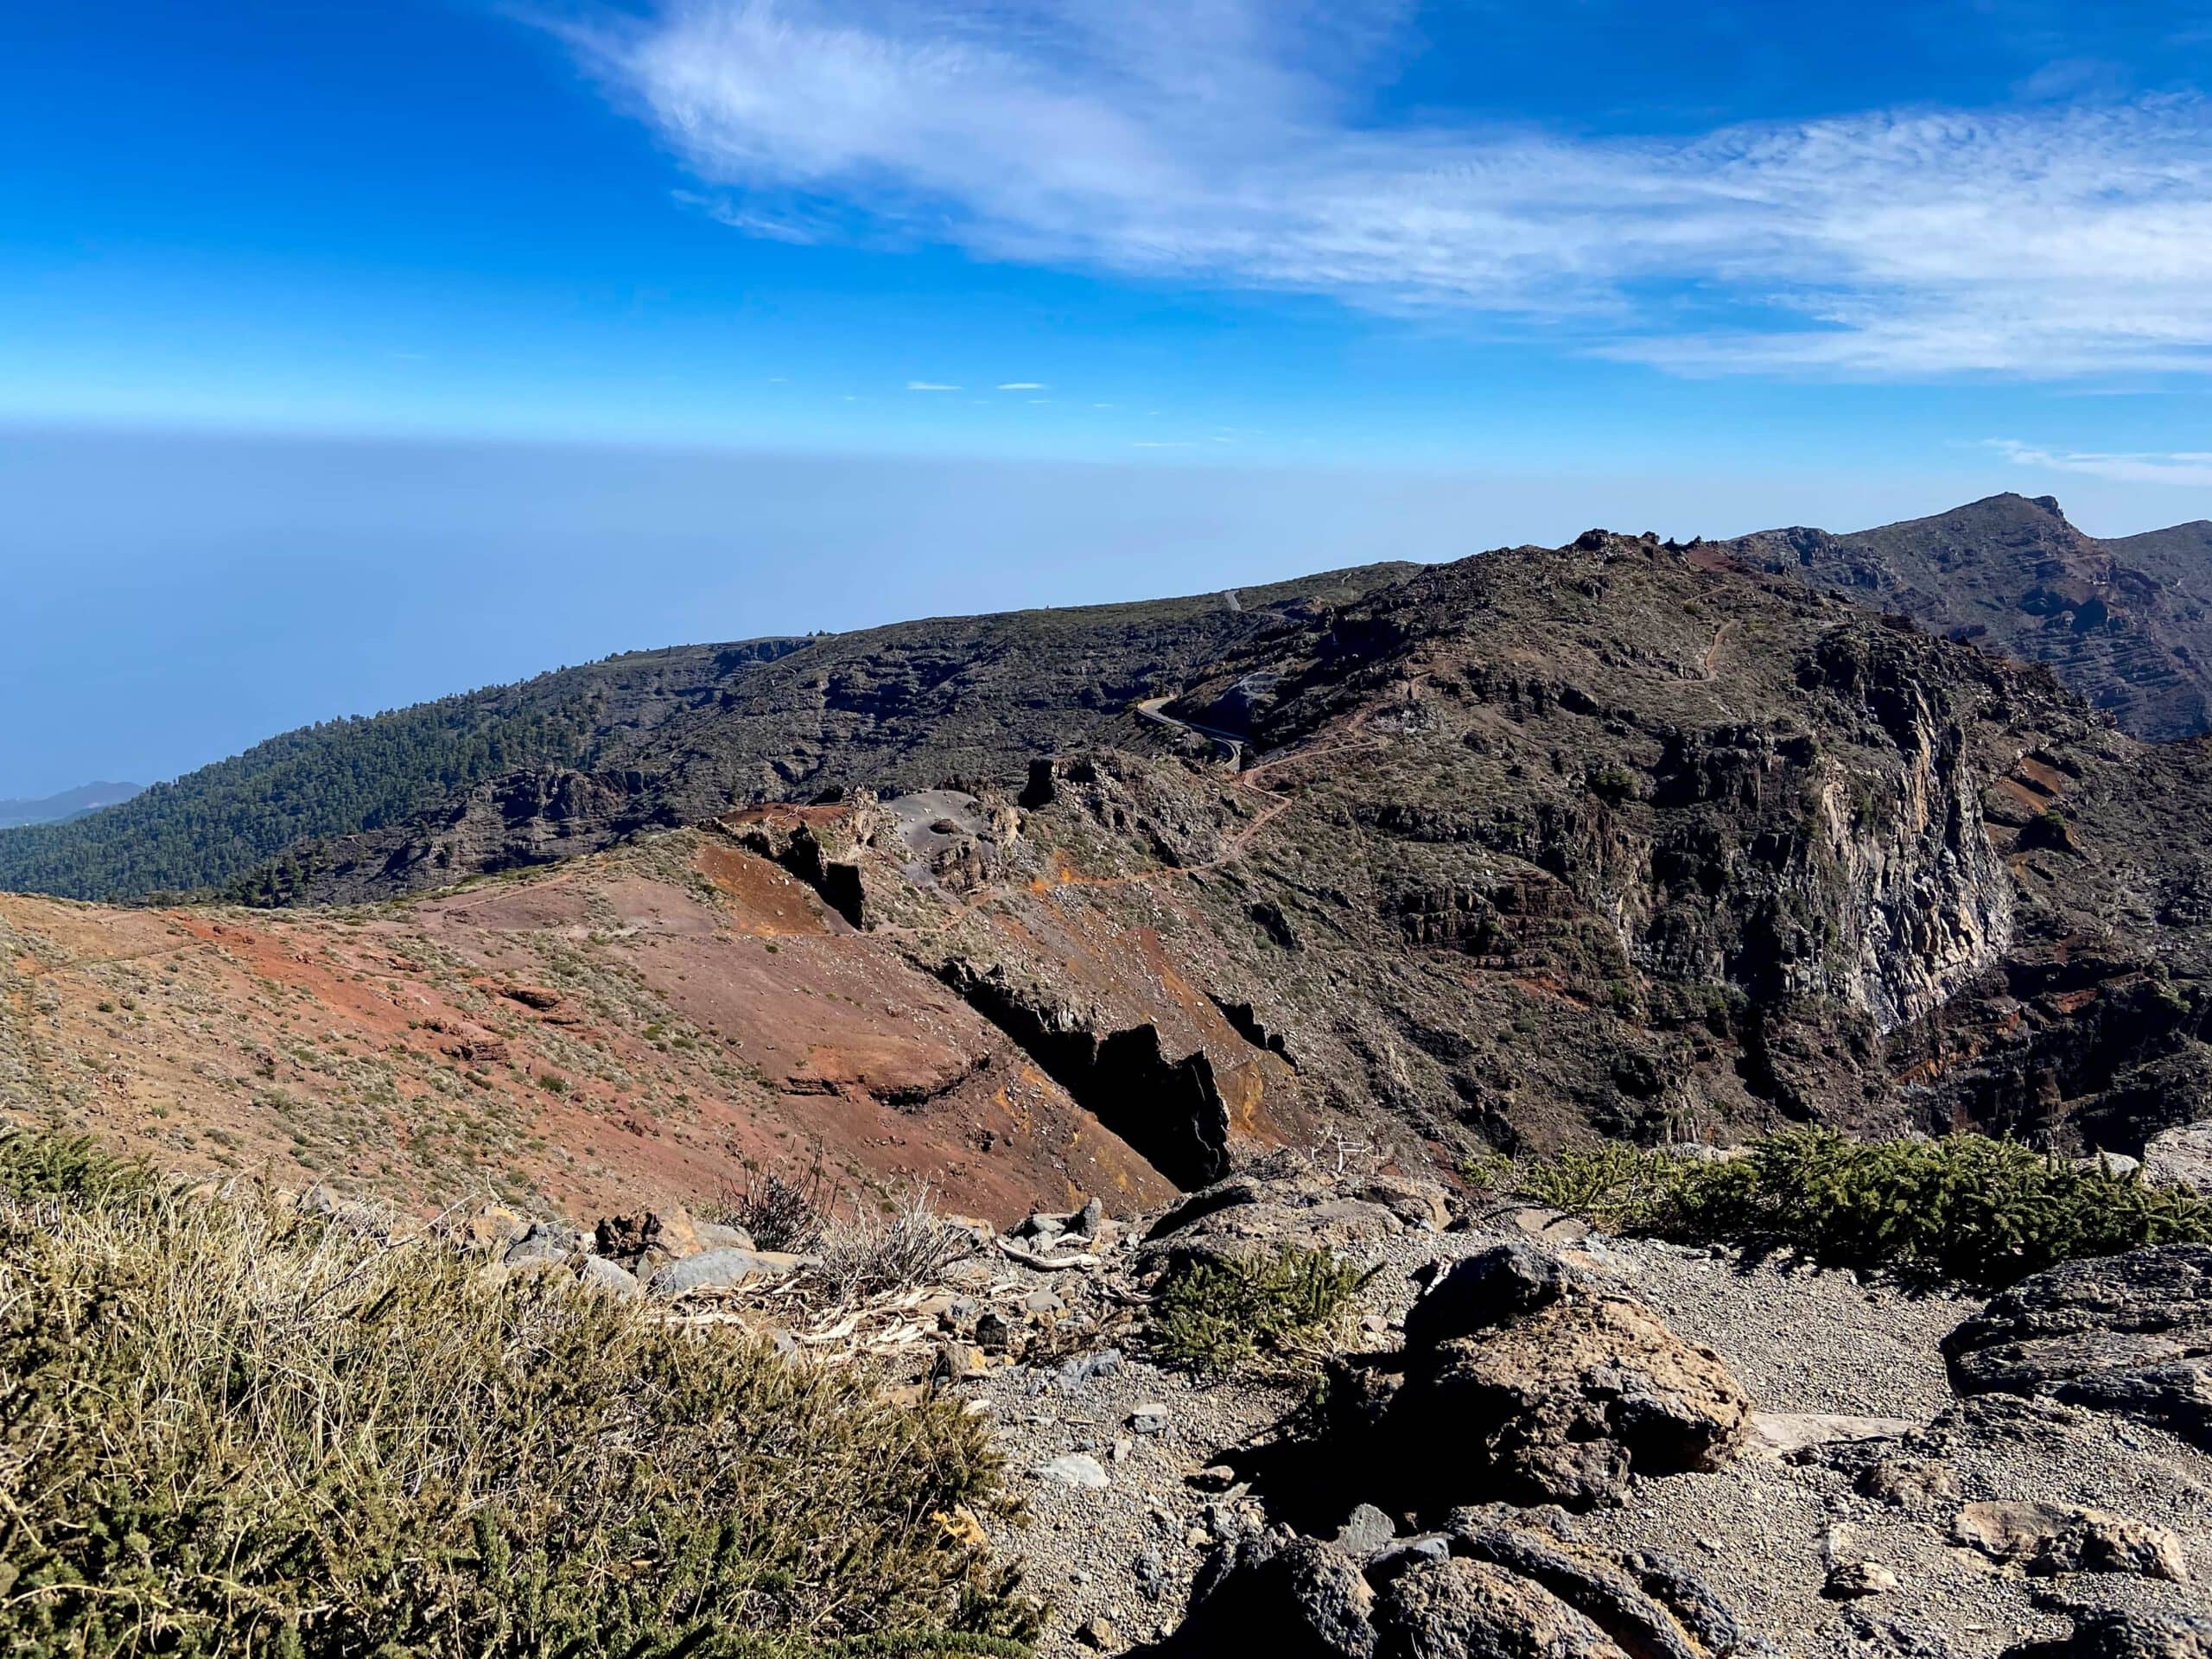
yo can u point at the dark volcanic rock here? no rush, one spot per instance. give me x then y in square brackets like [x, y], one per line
[1492, 1289]
[1278, 1595]
[2125, 622]
[2131, 1334]
[2116, 1633]
[1504, 1591]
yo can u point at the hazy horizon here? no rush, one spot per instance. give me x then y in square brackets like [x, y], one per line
[316, 578]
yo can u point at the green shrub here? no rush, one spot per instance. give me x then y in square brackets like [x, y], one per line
[229, 1428]
[1965, 1208]
[1245, 1311]
[54, 1165]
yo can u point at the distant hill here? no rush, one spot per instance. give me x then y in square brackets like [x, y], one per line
[69, 804]
[2127, 623]
[573, 759]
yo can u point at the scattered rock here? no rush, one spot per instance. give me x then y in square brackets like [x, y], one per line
[596, 1272]
[1851, 1580]
[543, 1241]
[593, 1272]
[2045, 1539]
[541, 997]
[1097, 1632]
[1417, 1203]
[1149, 1419]
[719, 1235]
[1908, 1483]
[1365, 1531]
[958, 1362]
[648, 1239]
[1075, 1469]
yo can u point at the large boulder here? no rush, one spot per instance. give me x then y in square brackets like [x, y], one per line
[2181, 1158]
[1563, 1405]
[2130, 1334]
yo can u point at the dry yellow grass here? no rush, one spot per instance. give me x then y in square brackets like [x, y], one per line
[230, 1428]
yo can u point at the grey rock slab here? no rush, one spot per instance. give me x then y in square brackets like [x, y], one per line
[1078, 1469]
[1783, 1433]
[722, 1270]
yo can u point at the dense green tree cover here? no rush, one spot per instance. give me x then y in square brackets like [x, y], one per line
[325, 779]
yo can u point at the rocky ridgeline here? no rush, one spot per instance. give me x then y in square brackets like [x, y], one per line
[1527, 1438]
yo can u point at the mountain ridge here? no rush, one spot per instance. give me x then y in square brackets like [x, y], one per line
[2126, 622]
[878, 688]
[66, 804]
[1621, 840]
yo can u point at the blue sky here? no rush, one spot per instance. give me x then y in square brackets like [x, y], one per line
[1057, 300]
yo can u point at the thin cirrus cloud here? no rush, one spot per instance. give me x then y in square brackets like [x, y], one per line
[1022, 385]
[929, 385]
[1211, 143]
[2184, 467]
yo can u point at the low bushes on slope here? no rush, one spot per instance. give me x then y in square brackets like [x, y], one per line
[228, 1428]
[1244, 1312]
[1965, 1207]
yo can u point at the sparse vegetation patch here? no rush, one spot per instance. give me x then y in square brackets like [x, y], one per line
[1966, 1208]
[1253, 1311]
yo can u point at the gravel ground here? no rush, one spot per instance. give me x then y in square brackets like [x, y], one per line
[1116, 1562]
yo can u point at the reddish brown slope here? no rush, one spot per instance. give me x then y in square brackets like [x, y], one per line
[639, 1027]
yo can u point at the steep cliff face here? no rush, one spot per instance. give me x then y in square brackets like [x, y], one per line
[1925, 898]
[1618, 839]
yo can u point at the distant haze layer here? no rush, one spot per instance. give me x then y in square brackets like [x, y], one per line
[174, 598]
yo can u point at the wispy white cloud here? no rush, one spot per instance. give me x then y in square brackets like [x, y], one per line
[2188, 467]
[1022, 385]
[929, 385]
[1216, 141]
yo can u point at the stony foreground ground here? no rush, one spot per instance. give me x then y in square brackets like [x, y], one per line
[1116, 1541]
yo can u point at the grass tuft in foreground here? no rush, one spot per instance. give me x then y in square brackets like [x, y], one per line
[1965, 1208]
[229, 1428]
[1254, 1311]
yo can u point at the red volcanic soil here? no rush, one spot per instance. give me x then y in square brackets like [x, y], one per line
[652, 1024]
